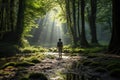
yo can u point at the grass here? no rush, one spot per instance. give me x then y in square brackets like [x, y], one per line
[35, 58]
[8, 64]
[32, 49]
[17, 64]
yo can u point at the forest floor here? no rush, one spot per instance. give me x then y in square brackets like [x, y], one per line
[56, 69]
[53, 68]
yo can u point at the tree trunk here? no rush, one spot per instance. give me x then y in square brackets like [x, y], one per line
[92, 22]
[69, 20]
[78, 19]
[15, 37]
[114, 45]
[83, 42]
[74, 23]
[20, 21]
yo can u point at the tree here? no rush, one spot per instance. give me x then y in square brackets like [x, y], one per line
[92, 21]
[114, 45]
[83, 40]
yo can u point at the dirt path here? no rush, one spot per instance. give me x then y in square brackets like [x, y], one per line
[53, 68]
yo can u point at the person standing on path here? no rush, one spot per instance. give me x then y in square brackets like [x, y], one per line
[60, 47]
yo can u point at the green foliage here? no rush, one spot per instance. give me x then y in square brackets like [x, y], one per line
[32, 49]
[67, 49]
[35, 9]
[95, 49]
[34, 60]
[18, 64]
[40, 76]
[53, 49]
[50, 56]
[9, 64]
[29, 50]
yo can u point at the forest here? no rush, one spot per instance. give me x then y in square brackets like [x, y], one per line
[31, 29]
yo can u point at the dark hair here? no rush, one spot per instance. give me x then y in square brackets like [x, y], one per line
[59, 39]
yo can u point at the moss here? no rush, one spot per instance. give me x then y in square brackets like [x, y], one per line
[50, 56]
[39, 76]
[35, 61]
[115, 73]
[9, 64]
[24, 64]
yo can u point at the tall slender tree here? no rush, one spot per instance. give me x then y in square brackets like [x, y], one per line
[83, 42]
[92, 21]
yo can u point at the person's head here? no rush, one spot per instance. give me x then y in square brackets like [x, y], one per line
[59, 39]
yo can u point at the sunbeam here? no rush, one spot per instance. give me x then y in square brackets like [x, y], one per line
[52, 30]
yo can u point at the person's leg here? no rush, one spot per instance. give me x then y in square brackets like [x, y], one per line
[60, 53]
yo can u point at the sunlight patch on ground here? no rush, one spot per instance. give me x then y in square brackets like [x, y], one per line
[57, 55]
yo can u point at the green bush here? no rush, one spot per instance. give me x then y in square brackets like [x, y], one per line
[39, 76]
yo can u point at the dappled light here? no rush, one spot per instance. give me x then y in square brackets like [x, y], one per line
[59, 40]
